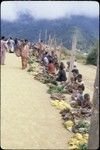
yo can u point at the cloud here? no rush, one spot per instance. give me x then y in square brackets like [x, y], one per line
[10, 10]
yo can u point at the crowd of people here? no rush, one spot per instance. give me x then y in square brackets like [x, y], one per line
[19, 47]
[51, 65]
[75, 86]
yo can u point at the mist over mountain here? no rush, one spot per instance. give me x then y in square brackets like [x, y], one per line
[28, 27]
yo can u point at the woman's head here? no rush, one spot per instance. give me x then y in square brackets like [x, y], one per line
[50, 61]
[26, 41]
[81, 88]
[62, 64]
[41, 41]
[79, 77]
[3, 37]
[75, 72]
[87, 97]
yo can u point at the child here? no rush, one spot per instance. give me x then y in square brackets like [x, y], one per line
[80, 97]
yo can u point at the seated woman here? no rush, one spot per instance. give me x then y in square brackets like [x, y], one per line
[56, 62]
[51, 68]
[77, 97]
[86, 102]
[62, 65]
[61, 74]
[79, 80]
[75, 73]
[86, 106]
[69, 86]
[45, 59]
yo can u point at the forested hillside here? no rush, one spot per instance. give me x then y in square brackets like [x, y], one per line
[28, 27]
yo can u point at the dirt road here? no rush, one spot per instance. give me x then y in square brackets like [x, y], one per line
[27, 119]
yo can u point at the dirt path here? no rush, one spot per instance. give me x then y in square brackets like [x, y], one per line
[27, 119]
[89, 74]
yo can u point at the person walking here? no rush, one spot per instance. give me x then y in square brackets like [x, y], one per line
[11, 45]
[24, 54]
[3, 50]
[15, 44]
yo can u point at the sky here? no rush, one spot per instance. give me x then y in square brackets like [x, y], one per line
[10, 10]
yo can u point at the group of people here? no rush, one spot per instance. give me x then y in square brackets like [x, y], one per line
[20, 47]
[75, 86]
[51, 65]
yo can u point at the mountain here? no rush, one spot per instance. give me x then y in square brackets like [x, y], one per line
[28, 27]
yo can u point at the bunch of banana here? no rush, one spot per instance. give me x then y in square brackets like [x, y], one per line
[60, 104]
[78, 139]
[69, 124]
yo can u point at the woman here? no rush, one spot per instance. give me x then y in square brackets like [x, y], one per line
[11, 45]
[61, 74]
[51, 68]
[3, 50]
[15, 44]
[24, 54]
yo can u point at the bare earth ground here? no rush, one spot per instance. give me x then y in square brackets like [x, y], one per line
[28, 121]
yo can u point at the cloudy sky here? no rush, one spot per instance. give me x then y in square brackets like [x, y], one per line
[10, 10]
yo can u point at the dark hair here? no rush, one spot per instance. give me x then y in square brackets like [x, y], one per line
[46, 53]
[82, 87]
[86, 95]
[10, 37]
[3, 37]
[50, 61]
[62, 66]
[26, 40]
[79, 76]
[41, 40]
[16, 40]
[75, 71]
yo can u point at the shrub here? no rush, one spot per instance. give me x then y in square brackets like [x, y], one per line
[92, 57]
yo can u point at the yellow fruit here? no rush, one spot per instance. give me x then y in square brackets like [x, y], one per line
[73, 147]
[83, 141]
[68, 123]
[73, 141]
[86, 135]
[78, 136]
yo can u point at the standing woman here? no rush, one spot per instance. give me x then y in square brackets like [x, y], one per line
[11, 45]
[3, 50]
[24, 54]
[15, 44]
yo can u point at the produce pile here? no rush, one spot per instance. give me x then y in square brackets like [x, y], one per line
[33, 65]
[71, 116]
[78, 141]
[81, 127]
[61, 105]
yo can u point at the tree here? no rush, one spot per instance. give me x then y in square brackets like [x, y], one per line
[92, 56]
[72, 58]
[93, 142]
